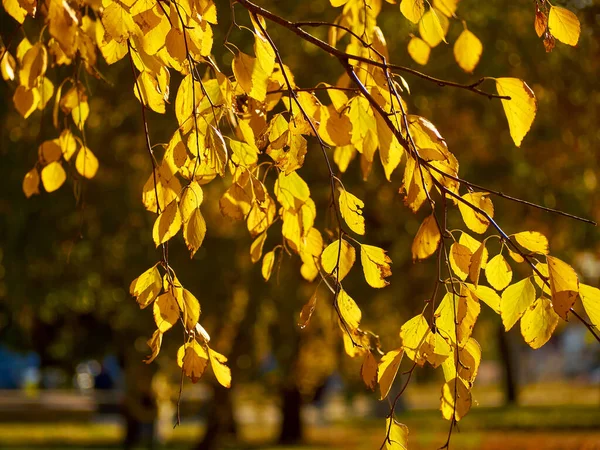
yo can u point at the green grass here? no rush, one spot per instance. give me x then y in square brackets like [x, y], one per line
[561, 427]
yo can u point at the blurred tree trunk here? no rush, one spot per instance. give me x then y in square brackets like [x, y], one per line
[221, 420]
[509, 367]
[291, 408]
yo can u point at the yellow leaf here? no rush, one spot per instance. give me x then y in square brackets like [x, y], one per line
[541, 23]
[516, 298]
[117, 21]
[189, 306]
[46, 91]
[474, 220]
[348, 310]
[86, 163]
[564, 25]
[456, 399]
[191, 200]
[80, 114]
[8, 66]
[289, 188]
[376, 265]
[267, 265]
[343, 155]
[538, 323]
[146, 287]
[446, 7]
[456, 315]
[467, 368]
[533, 241]
[520, 109]
[166, 311]
[167, 224]
[256, 249]
[351, 210]
[154, 343]
[34, 65]
[486, 295]
[194, 231]
[31, 183]
[338, 250]
[53, 176]
[433, 27]
[467, 51]
[221, 371]
[590, 297]
[14, 8]
[68, 144]
[427, 239]
[193, 360]
[147, 86]
[419, 50]
[478, 260]
[398, 434]
[564, 285]
[368, 371]
[498, 272]
[460, 260]
[414, 334]
[438, 350]
[387, 370]
[413, 10]
[515, 256]
[26, 100]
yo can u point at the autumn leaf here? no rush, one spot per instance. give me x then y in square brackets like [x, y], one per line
[564, 285]
[376, 265]
[387, 370]
[433, 28]
[419, 50]
[456, 399]
[520, 109]
[427, 239]
[516, 298]
[348, 310]
[339, 254]
[498, 272]
[538, 323]
[467, 51]
[413, 10]
[220, 369]
[564, 25]
[166, 311]
[167, 224]
[146, 287]
[368, 371]
[267, 265]
[53, 176]
[351, 210]
[397, 438]
[533, 241]
[590, 297]
[413, 335]
[473, 219]
[31, 183]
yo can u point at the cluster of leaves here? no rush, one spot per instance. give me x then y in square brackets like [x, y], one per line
[271, 120]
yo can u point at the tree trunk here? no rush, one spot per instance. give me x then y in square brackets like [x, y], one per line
[509, 367]
[221, 420]
[291, 408]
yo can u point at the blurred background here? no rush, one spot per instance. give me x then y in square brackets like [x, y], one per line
[72, 340]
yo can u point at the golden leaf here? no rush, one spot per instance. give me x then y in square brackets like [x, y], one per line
[564, 25]
[166, 311]
[533, 241]
[413, 10]
[427, 239]
[154, 343]
[538, 323]
[31, 183]
[474, 220]
[414, 334]
[26, 100]
[433, 27]
[53, 176]
[86, 163]
[467, 51]
[460, 260]
[516, 298]
[167, 224]
[590, 297]
[564, 285]
[146, 287]
[419, 50]
[339, 250]
[220, 369]
[498, 272]
[368, 371]
[456, 399]
[193, 361]
[194, 231]
[267, 265]
[398, 434]
[520, 109]
[376, 265]
[351, 210]
[387, 370]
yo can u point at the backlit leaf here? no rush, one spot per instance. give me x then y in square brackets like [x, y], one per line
[533, 241]
[220, 369]
[376, 265]
[590, 297]
[460, 260]
[53, 176]
[564, 25]
[86, 163]
[342, 251]
[368, 371]
[194, 231]
[474, 220]
[146, 287]
[498, 272]
[398, 434]
[456, 399]
[387, 370]
[433, 27]
[419, 50]
[427, 239]
[307, 311]
[267, 265]
[538, 323]
[414, 334]
[31, 183]
[167, 224]
[467, 51]
[564, 285]
[351, 210]
[516, 298]
[193, 361]
[520, 109]
[166, 311]
[413, 10]
[154, 343]
[348, 310]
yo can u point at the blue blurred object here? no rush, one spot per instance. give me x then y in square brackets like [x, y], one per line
[18, 370]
